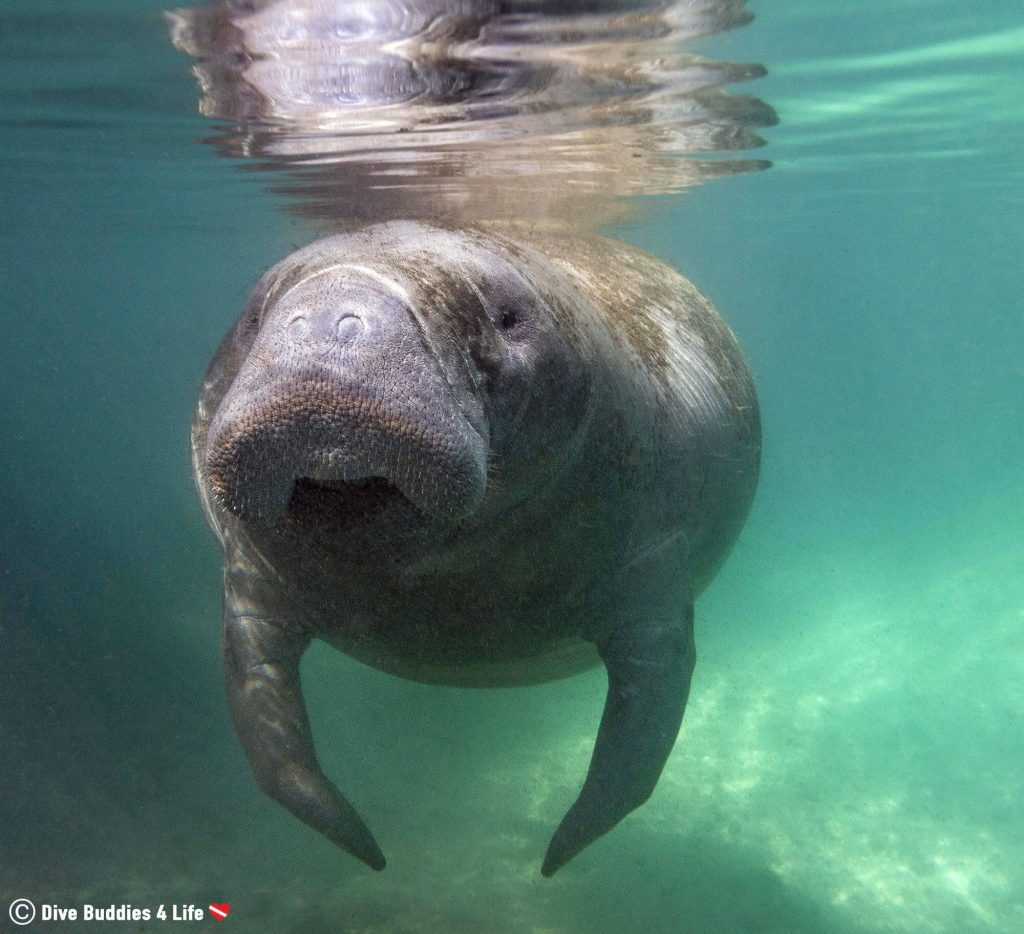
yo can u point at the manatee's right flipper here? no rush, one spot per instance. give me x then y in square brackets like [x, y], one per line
[261, 673]
[649, 669]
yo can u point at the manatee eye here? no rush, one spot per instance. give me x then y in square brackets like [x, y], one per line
[253, 316]
[511, 304]
[509, 317]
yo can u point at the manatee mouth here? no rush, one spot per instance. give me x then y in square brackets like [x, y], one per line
[348, 464]
[351, 501]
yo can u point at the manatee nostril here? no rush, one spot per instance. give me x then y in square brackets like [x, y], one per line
[344, 330]
[298, 328]
[348, 328]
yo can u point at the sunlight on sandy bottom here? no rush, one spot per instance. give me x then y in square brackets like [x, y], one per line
[874, 763]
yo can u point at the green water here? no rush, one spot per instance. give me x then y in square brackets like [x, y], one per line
[852, 753]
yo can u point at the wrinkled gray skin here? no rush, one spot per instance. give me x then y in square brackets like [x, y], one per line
[474, 460]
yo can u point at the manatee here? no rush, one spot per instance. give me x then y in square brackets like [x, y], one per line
[472, 457]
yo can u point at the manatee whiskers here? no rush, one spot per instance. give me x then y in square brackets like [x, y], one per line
[257, 452]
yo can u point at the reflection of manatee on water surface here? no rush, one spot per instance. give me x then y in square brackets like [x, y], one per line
[472, 110]
[472, 442]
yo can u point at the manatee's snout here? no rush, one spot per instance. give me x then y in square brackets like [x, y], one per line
[344, 396]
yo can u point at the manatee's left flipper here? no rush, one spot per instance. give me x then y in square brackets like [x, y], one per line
[261, 674]
[649, 669]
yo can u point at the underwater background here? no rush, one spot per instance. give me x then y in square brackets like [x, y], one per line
[851, 758]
